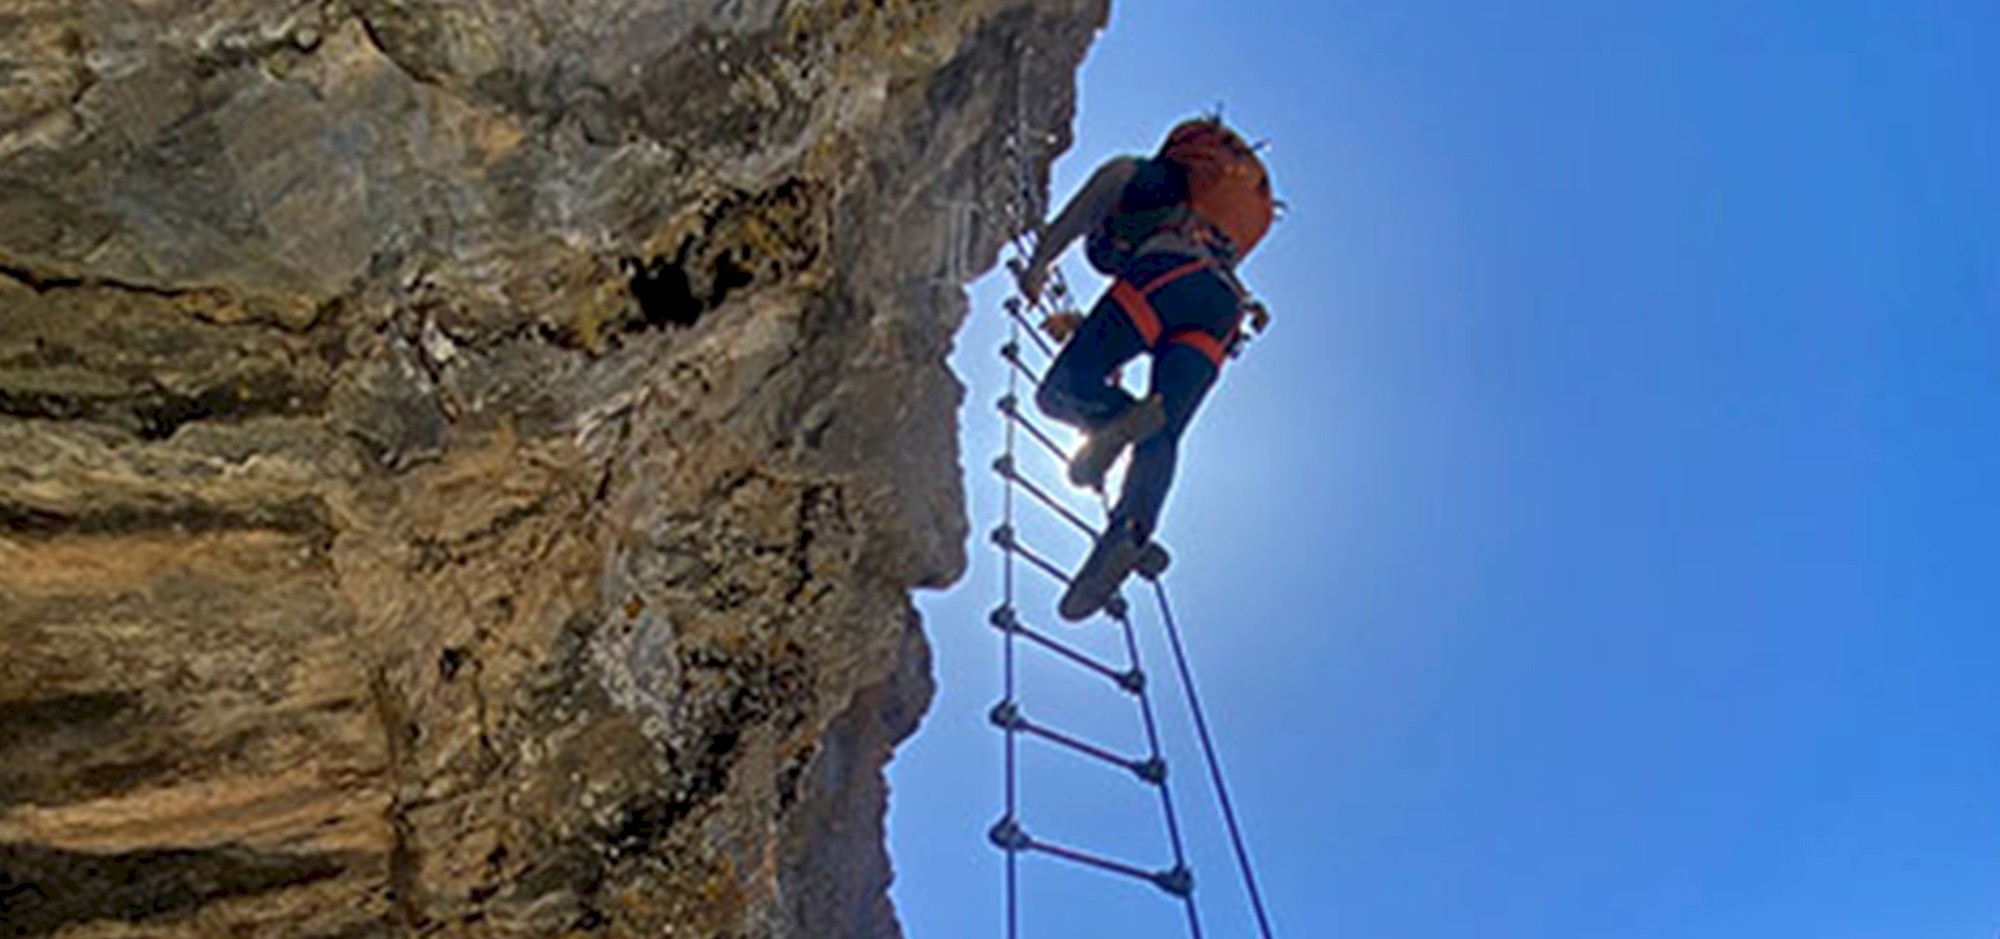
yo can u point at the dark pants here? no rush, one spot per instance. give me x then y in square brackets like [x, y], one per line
[1079, 390]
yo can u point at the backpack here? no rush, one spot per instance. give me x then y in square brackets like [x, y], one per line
[1229, 203]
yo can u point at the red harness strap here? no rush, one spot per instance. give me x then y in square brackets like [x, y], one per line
[1137, 303]
[1216, 350]
[1139, 310]
[1160, 282]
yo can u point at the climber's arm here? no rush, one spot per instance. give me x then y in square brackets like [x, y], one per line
[1090, 205]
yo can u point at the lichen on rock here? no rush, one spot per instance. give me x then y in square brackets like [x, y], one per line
[463, 465]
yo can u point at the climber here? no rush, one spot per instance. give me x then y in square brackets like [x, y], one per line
[1171, 230]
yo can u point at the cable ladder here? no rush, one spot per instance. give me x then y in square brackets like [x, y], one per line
[1011, 834]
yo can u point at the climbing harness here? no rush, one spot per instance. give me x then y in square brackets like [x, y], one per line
[1137, 302]
[1020, 634]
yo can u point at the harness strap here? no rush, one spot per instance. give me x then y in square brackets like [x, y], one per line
[1139, 310]
[1200, 341]
[1137, 302]
[1192, 267]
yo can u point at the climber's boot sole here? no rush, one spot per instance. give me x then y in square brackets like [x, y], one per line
[1110, 562]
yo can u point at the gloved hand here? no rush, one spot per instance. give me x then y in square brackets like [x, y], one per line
[1061, 326]
[1032, 278]
[1260, 316]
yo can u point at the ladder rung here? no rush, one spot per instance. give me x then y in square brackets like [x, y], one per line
[1080, 746]
[1019, 312]
[1177, 881]
[1131, 680]
[1007, 716]
[1004, 537]
[1011, 407]
[1012, 353]
[1008, 471]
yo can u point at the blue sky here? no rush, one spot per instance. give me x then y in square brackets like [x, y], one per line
[1603, 540]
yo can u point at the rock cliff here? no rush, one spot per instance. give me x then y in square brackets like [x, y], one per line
[463, 462]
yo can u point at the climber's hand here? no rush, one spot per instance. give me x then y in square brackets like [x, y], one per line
[1260, 316]
[1032, 278]
[1061, 326]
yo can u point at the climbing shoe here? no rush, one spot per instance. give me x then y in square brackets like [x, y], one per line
[1117, 551]
[1093, 460]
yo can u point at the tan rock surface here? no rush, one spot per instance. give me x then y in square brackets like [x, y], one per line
[373, 562]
